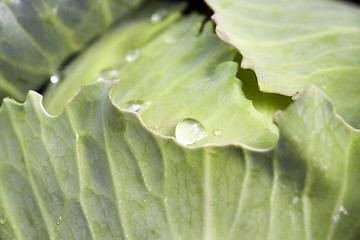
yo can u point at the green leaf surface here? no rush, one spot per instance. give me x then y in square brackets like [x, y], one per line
[95, 172]
[192, 77]
[181, 74]
[110, 51]
[37, 35]
[293, 44]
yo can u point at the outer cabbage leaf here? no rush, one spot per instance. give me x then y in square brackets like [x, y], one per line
[180, 74]
[95, 171]
[292, 44]
[37, 35]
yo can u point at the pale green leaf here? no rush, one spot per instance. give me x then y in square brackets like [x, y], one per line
[37, 35]
[110, 51]
[292, 44]
[96, 172]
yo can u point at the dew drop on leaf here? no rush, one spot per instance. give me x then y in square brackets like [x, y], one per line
[295, 200]
[217, 132]
[133, 55]
[2, 220]
[55, 78]
[108, 75]
[159, 15]
[189, 131]
[135, 105]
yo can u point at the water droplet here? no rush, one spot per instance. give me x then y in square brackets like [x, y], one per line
[189, 131]
[108, 75]
[2, 220]
[55, 78]
[144, 200]
[169, 39]
[135, 105]
[343, 210]
[159, 16]
[336, 217]
[217, 132]
[325, 167]
[54, 10]
[133, 55]
[295, 200]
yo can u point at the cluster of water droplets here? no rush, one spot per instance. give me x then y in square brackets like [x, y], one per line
[58, 224]
[341, 210]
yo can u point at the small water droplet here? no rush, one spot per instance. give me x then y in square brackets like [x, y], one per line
[135, 105]
[2, 220]
[133, 55]
[343, 210]
[127, 236]
[54, 10]
[189, 131]
[144, 200]
[336, 218]
[55, 78]
[158, 16]
[325, 167]
[217, 132]
[169, 39]
[108, 75]
[295, 200]
[296, 138]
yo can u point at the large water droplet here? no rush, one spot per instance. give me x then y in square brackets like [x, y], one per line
[55, 78]
[189, 131]
[108, 75]
[158, 16]
[133, 55]
[135, 105]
